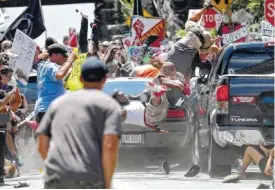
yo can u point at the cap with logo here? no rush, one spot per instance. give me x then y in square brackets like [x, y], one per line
[57, 48]
[93, 70]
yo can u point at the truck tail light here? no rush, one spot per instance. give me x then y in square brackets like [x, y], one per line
[222, 98]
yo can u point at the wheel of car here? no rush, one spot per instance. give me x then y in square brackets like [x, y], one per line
[214, 168]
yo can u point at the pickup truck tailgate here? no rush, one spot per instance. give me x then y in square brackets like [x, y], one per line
[251, 100]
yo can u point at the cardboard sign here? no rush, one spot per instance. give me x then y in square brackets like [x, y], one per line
[238, 34]
[24, 48]
[142, 28]
[267, 30]
[192, 12]
[73, 83]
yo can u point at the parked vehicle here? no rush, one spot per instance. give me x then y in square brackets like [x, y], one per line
[235, 107]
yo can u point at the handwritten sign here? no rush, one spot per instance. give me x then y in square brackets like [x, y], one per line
[239, 33]
[24, 47]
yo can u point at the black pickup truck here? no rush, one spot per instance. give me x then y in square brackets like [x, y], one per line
[235, 107]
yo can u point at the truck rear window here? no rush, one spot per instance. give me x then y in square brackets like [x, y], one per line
[252, 61]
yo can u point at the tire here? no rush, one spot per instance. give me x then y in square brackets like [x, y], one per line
[215, 169]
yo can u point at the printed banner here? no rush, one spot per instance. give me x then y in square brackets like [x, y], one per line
[236, 34]
[24, 49]
[143, 27]
[73, 83]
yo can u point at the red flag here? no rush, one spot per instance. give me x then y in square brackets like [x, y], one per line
[73, 37]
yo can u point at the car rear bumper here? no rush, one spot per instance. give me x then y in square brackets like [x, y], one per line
[240, 135]
[137, 136]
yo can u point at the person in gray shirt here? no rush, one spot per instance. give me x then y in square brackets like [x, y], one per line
[79, 135]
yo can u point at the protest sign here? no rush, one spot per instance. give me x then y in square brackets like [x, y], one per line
[210, 19]
[234, 33]
[134, 50]
[127, 41]
[73, 82]
[143, 27]
[267, 30]
[192, 12]
[24, 48]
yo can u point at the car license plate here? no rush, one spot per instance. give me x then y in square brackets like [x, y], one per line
[132, 139]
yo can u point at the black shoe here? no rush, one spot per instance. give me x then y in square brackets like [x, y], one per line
[263, 186]
[2, 180]
[165, 167]
[193, 171]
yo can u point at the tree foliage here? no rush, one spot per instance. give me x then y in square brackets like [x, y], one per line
[255, 7]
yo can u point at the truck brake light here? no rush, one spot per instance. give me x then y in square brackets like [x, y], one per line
[222, 93]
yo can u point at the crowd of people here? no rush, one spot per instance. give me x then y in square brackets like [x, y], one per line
[71, 127]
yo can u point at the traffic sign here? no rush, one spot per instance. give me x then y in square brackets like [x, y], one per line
[221, 5]
[209, 18]
[269, 11]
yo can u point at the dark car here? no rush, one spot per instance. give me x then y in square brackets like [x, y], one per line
[235, 107]
[179, 122]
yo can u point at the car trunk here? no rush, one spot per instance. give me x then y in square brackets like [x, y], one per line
[176, 123]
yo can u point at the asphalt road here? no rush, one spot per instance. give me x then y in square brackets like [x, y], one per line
[156, 180]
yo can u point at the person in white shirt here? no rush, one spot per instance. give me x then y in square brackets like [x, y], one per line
[150, 113]
[136, 113]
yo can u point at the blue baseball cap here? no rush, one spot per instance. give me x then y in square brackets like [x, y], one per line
[93, 70]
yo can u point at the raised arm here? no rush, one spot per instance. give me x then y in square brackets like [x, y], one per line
[64, 69]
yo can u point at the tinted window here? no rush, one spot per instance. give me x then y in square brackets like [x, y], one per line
[128, 87]
[252, 61]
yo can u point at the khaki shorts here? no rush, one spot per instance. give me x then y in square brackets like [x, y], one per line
[156, 116]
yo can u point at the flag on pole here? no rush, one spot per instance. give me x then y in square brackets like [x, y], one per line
[137, 10]
[30, 22]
